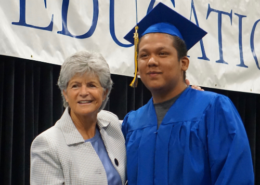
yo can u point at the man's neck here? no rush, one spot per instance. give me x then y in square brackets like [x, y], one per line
[163, 95]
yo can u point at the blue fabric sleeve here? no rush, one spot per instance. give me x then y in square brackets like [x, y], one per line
[228, 147]
[124, 130]
[124, 124]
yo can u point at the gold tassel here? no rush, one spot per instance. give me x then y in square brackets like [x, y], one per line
[136, 40]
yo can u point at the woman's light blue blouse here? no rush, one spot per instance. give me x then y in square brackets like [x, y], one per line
[113, 177]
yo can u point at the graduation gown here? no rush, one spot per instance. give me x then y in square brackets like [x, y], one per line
[201, 140]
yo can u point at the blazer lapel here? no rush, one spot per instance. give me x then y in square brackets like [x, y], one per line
[71, 134]
[113, 140]
[103, 124]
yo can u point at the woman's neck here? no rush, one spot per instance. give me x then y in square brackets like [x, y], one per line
[86, 125]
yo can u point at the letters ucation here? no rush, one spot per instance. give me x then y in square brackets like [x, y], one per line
[89, 33]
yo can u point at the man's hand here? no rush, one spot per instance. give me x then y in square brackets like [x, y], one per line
[194, 86]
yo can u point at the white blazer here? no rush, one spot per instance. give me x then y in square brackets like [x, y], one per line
[60, 155]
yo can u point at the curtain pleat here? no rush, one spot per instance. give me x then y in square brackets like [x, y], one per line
[36, 72]
[30, 102]
[251, 123]
[57, 99]
[1, 110]
[7, 136]
[18, 149]
[29, 116]
[46, 98]
[257, 142]
[116, 103]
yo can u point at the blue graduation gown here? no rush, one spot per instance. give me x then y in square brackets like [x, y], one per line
[201, 140]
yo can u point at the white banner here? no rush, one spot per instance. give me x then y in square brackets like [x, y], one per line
[228, 57]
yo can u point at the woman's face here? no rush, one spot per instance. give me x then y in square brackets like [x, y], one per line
[84, 95]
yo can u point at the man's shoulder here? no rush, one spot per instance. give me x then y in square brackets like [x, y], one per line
[204, 96]
[139, 111]
[192, 96]
[198, 102]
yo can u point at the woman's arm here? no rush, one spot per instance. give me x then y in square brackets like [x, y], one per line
[45, 166]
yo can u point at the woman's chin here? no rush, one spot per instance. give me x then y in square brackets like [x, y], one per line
[87, 111]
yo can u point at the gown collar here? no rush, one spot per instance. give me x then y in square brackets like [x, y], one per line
[172, 113]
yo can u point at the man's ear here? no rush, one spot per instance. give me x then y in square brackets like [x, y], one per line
[185, 61]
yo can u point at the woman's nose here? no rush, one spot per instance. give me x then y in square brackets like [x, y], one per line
[84, 91]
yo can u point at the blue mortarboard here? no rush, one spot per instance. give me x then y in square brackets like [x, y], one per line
[163, 19]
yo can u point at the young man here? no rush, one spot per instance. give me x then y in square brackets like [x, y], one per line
[181, 136]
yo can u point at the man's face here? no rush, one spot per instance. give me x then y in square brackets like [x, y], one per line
[158, 64]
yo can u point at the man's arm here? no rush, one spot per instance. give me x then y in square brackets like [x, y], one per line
[228, 147]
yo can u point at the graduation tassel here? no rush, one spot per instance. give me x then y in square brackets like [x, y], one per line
[136, 40]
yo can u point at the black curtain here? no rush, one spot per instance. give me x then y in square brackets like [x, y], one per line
[30, 102]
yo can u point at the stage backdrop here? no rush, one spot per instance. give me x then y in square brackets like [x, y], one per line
[30, 102]
[49, 31]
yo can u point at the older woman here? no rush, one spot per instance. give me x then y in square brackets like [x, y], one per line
[86, 145]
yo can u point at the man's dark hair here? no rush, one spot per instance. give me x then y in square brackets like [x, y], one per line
[180, 47]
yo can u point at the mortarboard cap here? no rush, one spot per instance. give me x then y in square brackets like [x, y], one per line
[163, 19]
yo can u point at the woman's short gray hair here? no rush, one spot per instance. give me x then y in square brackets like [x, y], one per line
[85, 62]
